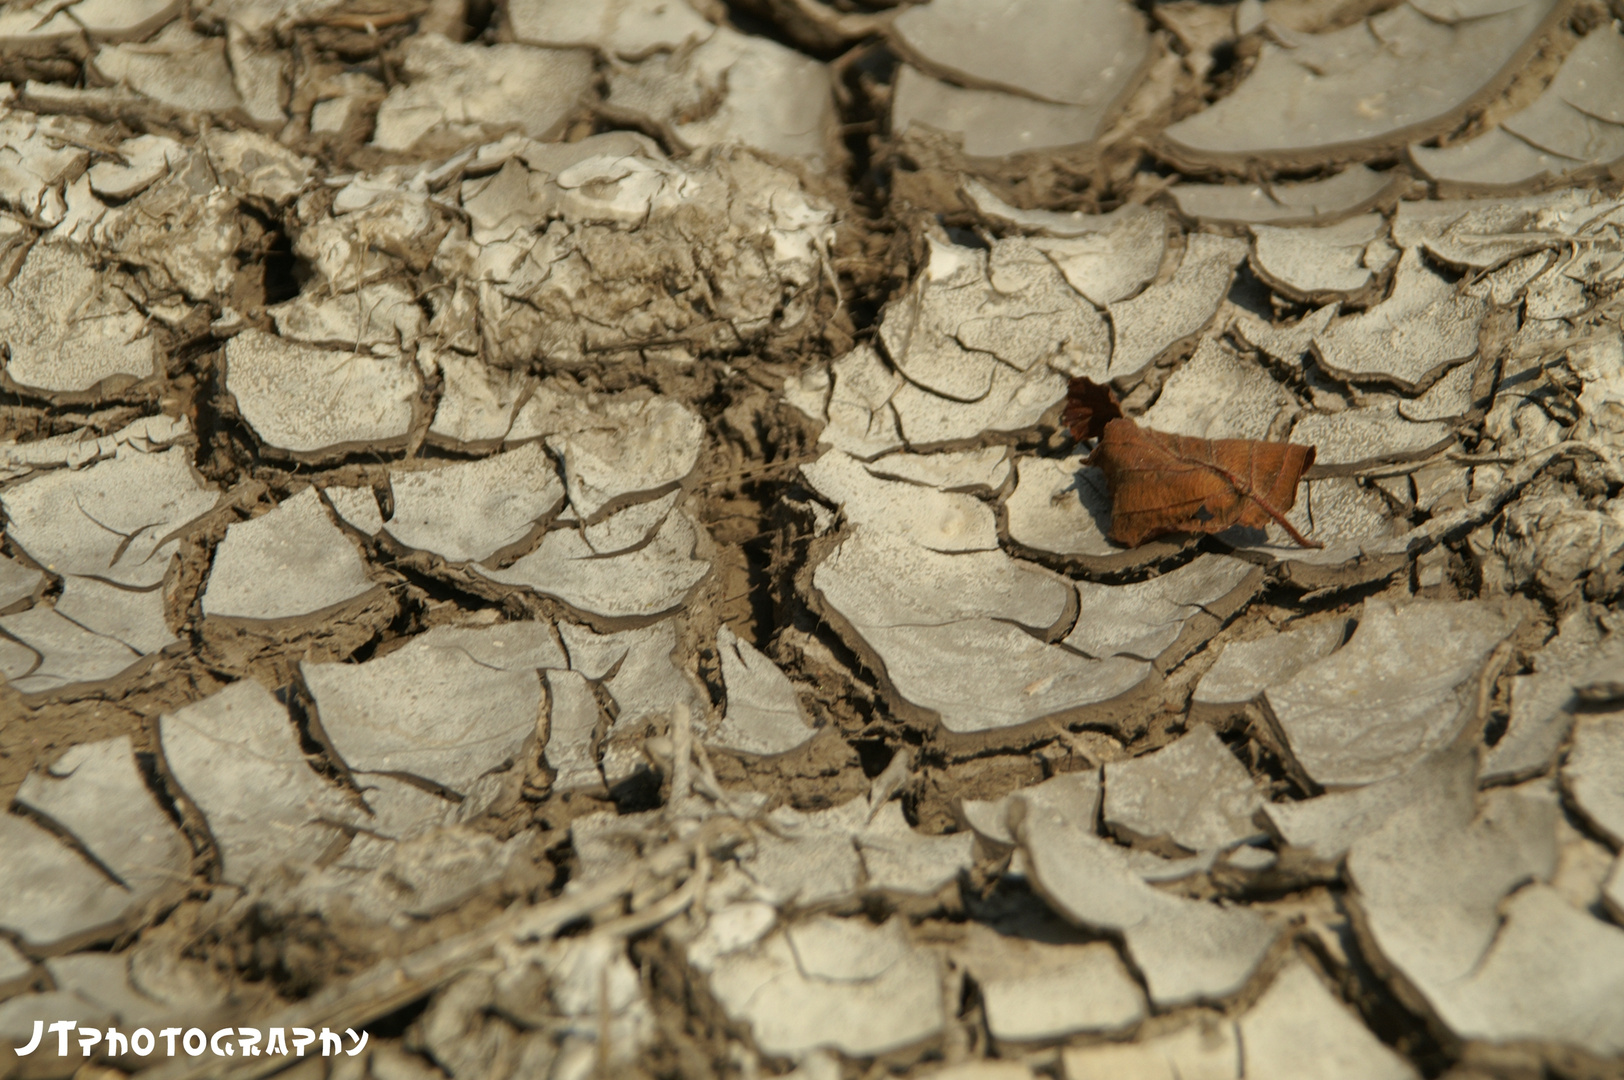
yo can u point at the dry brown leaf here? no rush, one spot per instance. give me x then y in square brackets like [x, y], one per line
[1163, 483]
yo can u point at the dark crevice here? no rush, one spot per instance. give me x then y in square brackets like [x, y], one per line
[283, 273]
[637, 793]
[1249, 293]
[480, 17]
[146, 764]
[393, 1025]
[875, 754]
[1383, 1013]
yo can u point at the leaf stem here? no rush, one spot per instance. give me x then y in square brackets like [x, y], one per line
[1245, 491]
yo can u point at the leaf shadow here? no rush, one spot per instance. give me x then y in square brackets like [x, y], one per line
[1093, 496]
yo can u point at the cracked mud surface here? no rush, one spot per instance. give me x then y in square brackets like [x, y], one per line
[540, 533]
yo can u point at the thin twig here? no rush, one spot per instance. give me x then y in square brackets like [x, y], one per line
[1485, 459]
[1471, 729]
[390, 984]
[682, 747]
[1407, 468]
[664, 909]
[757, 470]
[371, 24]
[1476, 513]
[885, 785]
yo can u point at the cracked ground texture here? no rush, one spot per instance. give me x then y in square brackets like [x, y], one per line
[538, 535]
